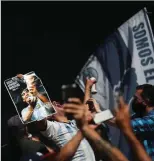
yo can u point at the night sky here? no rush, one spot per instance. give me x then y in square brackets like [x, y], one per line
[55, 39]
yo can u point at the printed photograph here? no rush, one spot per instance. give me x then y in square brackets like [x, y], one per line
[30, 97]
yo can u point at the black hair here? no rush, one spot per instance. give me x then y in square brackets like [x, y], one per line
[26, 89]
[16, 129]
[143, 86]
[147, 94]
[32, 129]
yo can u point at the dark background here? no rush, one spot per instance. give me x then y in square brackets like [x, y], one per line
[55, 39]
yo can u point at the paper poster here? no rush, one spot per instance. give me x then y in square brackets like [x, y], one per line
[30, 97]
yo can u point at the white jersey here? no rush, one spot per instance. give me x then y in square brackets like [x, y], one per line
[61, 133]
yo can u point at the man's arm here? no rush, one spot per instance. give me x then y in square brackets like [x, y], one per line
[103, 145]
[80, 113]
[42, 98]
[124, 123]
[87, 93]
[87, 96]
[68, 150]
[26, 115]
[136, 146]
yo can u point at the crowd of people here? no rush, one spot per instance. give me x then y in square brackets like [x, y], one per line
[57, 138]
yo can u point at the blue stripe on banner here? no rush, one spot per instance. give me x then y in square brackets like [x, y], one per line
[150, 32]
[114, 57]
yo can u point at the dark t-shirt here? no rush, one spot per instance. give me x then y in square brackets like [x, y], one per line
[32, 157]
[31, 146]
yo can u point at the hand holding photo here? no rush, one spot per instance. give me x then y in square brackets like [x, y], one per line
[30, 98]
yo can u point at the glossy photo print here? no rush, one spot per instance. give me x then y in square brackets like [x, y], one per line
[30, 97]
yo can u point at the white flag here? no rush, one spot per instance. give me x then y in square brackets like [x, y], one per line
[125, 60]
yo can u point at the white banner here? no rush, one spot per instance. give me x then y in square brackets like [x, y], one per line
[125, 60]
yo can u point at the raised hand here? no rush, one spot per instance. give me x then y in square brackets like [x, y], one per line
[122, 115]
[95, 106]
[80, 112]
[89, 83]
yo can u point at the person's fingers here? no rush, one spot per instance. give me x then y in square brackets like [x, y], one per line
[94, 102]
[75, 100]
[92, 99]
[78, 115]
[71, 105]
[121, 102]
[127, 108]
[72, 111]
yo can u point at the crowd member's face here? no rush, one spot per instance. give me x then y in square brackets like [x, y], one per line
[60, 111]
[25, 95]
[137, 104]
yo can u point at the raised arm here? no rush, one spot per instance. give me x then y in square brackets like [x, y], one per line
[102, 145]
[80, 113]
[27, 113]
[33, 90]
[88, 86]
[124, 123]
[42, 98]
[68, 150]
